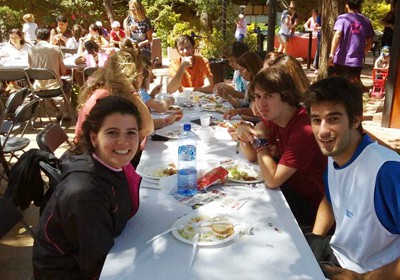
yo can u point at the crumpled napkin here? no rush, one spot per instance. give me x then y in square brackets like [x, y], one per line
[169, 184]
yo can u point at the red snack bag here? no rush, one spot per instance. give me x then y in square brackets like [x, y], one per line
[214, 176]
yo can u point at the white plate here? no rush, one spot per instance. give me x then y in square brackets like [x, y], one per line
[170, 132]
[206, 239]
[243, 166]
[149, 168]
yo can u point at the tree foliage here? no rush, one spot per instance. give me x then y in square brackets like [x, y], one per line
[8, 19]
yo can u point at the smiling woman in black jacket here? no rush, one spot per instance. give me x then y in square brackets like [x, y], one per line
[98, 194]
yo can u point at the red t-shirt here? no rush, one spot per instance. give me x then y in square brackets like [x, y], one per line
[114, 36]
[298, 149]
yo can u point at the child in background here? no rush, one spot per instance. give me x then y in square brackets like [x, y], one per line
[29, 27]
[116, 34]
[383, 60]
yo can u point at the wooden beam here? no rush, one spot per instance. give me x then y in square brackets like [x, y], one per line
[391, 109]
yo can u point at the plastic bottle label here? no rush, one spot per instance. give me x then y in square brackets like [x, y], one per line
[187, 152]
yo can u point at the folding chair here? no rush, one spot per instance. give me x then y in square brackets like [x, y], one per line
[47, 74]
[10, 216]
[14, 75]
[88, 71]
[52, 137]
[13, 102]
[13, 144]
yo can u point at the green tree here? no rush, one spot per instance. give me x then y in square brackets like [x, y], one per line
[8, 19]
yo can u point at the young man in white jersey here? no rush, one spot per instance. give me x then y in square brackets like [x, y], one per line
[362, 189]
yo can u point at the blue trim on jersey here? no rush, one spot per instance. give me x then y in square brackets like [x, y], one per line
[387, 196]
[366, 140]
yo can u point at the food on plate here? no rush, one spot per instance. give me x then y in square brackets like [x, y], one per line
[222, 228]
[209, 232]
[243, 172]
[165, 172]
[214, 176]
[174, 108]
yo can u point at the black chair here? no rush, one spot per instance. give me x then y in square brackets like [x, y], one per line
[14, 75]
[12, 144]
[52, 137]
[10, 216]
[88, 71]
[47, 74]
[13, 102]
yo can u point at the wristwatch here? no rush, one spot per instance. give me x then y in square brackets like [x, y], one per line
[258, 143]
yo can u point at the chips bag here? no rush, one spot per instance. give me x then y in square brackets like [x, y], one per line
[216, 175]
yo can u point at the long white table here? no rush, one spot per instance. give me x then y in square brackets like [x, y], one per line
[276, 249]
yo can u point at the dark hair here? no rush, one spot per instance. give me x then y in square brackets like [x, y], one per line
[62, 18]
[42, 33]
[271, 57]
[91, 47]
[103, 108]
[96, 28]
[276, 80]
[251, 61]
[237, 49]
[183, 38]
[315, 11]
[354, 4]
[293, 67]
[19, 33]
[337, 90]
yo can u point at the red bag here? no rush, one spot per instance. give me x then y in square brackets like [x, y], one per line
[216, 175]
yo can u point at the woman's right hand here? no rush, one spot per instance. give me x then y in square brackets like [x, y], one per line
[174, 117]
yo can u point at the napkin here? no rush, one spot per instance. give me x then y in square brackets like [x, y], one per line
[169, 184]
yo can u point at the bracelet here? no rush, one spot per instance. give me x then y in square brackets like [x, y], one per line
[262, 148]
[165, 122]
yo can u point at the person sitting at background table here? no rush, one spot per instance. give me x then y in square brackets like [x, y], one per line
[239, 84]
[61, 34]
[362, 188]
[29, 27]
[96, 35]
[92, 56]
[144, 79]
[16, 47]
[249, 64]
[283, 143]
[46, 55]
[189, 70]
[116, 34]
[98, 194]
[117, 77]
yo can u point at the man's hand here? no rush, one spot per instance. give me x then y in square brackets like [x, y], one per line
[246, 133]
[338, 273]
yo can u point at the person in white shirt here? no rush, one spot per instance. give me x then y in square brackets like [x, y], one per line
[29, 28]
[16, 47]
[241, 28]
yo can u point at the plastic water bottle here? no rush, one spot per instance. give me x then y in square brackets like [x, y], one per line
[187, 172]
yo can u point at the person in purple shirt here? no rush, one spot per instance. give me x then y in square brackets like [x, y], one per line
[351, 41]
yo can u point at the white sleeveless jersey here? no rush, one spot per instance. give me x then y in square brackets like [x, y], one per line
[361, 243]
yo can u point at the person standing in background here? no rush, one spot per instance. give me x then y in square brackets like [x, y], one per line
[138, 27]
[314, 24]
[351, 41]
[388, 22]
[285, 30]
[29, 28]
[241, 28]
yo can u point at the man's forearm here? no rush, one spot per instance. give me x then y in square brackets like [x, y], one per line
[324, 219]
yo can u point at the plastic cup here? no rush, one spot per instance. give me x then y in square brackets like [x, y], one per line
[205, 120]
[205, 134]
[196, 96]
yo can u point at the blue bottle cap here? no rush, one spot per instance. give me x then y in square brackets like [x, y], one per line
[187, 126]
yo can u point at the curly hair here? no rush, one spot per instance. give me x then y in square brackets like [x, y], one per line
[118, 76]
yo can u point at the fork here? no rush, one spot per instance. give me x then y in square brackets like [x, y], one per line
[195, 240]
[163, 233]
